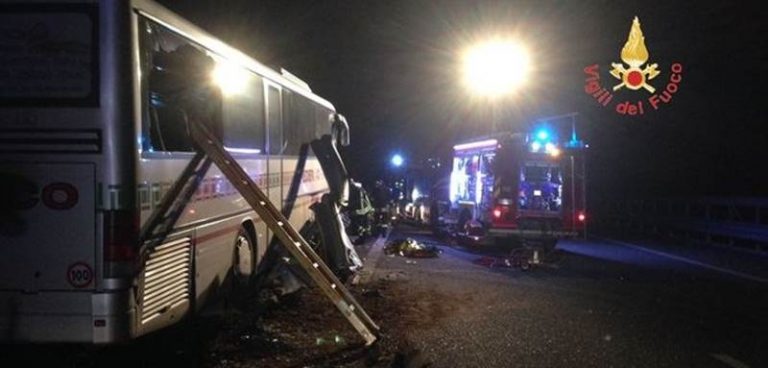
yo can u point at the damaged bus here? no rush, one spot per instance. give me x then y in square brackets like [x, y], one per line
[93, 136]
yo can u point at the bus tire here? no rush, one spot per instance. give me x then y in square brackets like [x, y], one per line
[244, 260]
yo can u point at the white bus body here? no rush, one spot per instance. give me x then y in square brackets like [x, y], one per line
[84, 161]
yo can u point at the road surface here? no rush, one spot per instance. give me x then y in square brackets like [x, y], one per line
[599, 304]
[602, 304]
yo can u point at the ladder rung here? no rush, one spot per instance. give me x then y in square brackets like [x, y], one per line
[306, 257]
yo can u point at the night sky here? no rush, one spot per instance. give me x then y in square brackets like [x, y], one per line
[393, 69]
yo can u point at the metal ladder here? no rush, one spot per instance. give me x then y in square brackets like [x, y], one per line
[288, 236]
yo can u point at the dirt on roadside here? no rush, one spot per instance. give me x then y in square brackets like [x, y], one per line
[305, 330]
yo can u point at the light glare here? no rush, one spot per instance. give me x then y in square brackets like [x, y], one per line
[496, 68]
[415, 194]
[397, 160]
[231, 78]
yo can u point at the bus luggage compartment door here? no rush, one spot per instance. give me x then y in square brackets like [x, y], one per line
[47, 226]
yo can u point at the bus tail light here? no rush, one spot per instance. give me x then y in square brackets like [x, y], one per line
[582, 217]
[121, 235]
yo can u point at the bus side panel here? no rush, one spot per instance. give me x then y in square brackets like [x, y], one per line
[210, 221]
[311, 188]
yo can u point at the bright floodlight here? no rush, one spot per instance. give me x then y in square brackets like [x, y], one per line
[397, 160]
[231, 78]
[495, 68]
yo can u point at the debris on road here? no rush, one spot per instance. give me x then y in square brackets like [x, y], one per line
[411, 248]
[376, 293]
[522, 258]
[299, 330]
[493, 262]
[396, 276]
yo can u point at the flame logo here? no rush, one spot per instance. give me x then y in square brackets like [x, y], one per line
[635, 54]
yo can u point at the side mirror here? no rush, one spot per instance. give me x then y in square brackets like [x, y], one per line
[340, 130]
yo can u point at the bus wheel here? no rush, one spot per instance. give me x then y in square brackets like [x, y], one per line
[245, 255]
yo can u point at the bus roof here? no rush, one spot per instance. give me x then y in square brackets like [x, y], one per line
[162, 15]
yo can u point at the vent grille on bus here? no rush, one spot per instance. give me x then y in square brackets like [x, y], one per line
[166, 278]
[50, 141]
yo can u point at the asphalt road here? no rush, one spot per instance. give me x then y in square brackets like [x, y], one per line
[600, 304]
[597, 304]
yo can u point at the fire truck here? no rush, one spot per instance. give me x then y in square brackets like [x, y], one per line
[516, 188]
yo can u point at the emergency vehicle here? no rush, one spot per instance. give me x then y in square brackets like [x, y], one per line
[512, 188]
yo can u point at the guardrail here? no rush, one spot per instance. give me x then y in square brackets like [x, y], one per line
[734, 222]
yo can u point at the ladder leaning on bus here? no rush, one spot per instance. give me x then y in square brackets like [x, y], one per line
[91, 157]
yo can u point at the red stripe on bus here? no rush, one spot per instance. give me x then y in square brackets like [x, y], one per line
[233, 229]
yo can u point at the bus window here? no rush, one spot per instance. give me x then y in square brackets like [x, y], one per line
[243, 115]
[299, 127]
[274, 121]
[322, 121]
[49, 55]
[175, 70]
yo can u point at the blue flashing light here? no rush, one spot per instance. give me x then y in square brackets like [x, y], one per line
[542, 134]
[397, 160]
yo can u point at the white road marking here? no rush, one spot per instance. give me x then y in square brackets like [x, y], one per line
[729, 360]
[688, 260]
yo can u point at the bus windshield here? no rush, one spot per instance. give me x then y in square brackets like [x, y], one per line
[48, 55]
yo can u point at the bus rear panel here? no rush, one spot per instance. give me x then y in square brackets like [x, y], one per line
[65, 170]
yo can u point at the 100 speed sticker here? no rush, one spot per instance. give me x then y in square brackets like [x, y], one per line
[79, 275]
